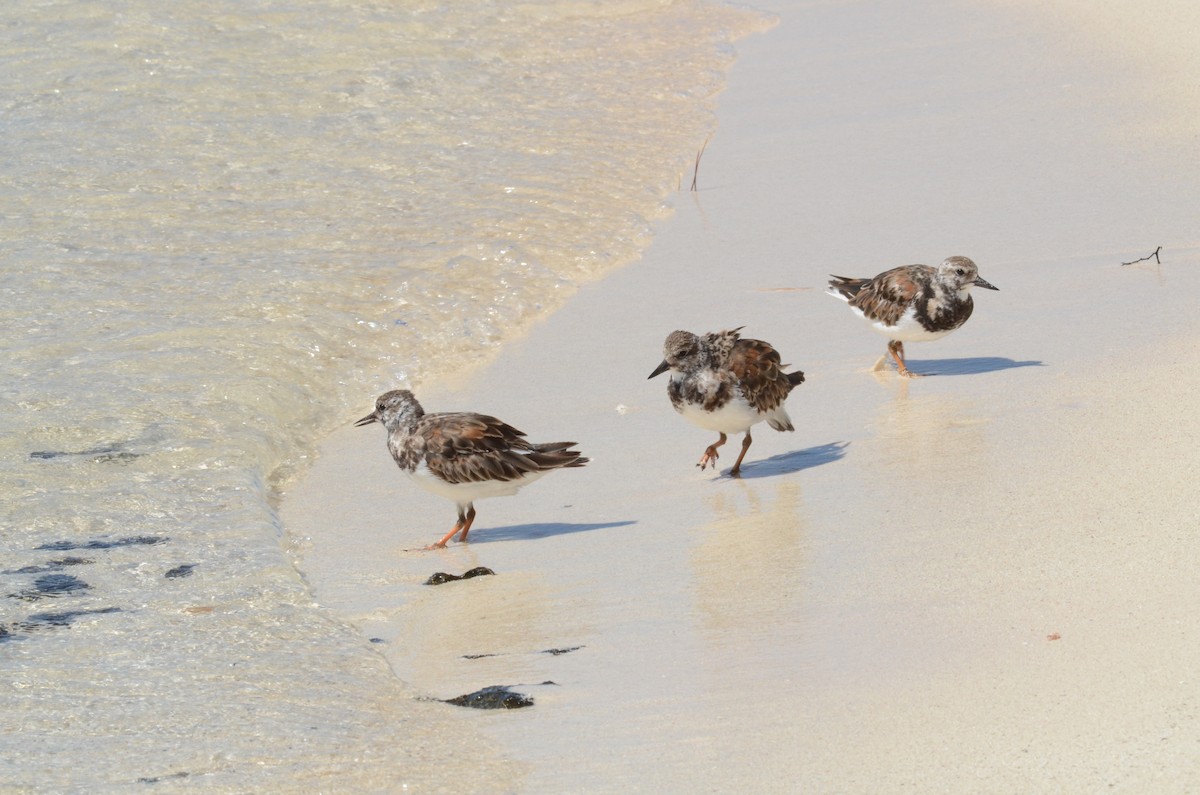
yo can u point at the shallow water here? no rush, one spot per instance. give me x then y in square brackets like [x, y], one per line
[227, 228]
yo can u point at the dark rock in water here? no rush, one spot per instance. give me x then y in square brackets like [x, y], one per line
[63, 546]
[440, 577]
[493, 697]
[377, 640]
[180, 571]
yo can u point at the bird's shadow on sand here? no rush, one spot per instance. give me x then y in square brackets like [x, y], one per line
[787, 463]
[972, 366]
[524, 532]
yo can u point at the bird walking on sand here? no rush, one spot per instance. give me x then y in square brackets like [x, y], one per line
[726, 384]
[912, 303]
[463, 456]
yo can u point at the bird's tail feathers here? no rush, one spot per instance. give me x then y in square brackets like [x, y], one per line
[845, 287]
[552, 447]
[556, 458]
[780, 421]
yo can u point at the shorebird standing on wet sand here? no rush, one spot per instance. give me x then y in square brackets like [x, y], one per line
[726, 384]
[912, 303]
[463, 456]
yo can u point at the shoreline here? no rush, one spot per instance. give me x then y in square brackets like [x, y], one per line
[844, 614]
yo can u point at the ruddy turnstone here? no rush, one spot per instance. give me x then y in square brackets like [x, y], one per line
[913, 303]
[726, 384]
[463, 456]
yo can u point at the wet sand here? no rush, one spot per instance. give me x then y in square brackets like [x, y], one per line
[976, 581]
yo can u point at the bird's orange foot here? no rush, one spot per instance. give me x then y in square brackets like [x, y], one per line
[446, 538]
[710, 457]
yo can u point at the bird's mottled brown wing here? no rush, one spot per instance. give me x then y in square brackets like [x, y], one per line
[468, 448]
[886, 297]
[759, 372]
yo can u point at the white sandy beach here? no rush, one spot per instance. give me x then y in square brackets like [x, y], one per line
[981, 581]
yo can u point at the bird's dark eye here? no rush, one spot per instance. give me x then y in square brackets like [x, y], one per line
[960, 271]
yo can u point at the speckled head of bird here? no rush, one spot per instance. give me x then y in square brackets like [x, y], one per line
[392, 407]
[961, 273]
[678, 349]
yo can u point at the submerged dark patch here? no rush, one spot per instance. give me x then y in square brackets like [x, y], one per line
[554, 652]
[56, 584]
[46, 455]
[156, 779]
[440, 577]
[53, 565]
[104, 453]
[180, 571]
[493, 697]
[43, 621]
[123, 457]
[65, 618]
[63, 546]
[50, 585]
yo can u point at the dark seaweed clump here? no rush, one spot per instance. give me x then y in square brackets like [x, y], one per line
[440, 577]
[180, 571]
[493, 697]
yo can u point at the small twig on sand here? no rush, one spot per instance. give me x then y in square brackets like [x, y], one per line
[696, 168]
[1153, 253]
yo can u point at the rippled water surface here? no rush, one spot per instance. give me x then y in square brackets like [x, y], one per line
[227, 226]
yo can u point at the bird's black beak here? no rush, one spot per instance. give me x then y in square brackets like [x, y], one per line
[662, 368]
[980, 282]
[367, 420]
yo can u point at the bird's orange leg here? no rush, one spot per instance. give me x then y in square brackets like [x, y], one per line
[470, 519]
[896, 349]
[710, 455]
[463, 524]
[737, 467]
